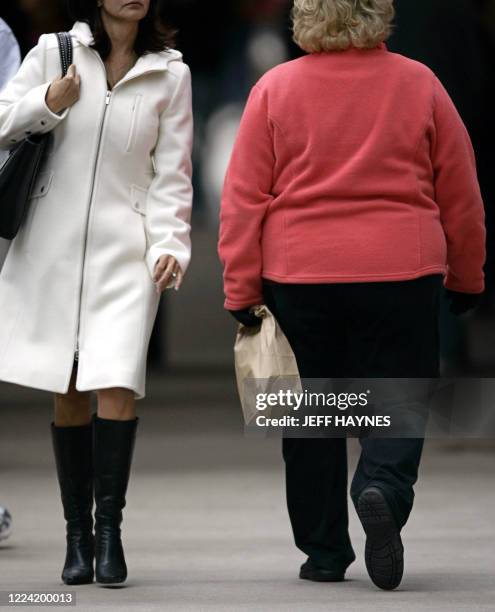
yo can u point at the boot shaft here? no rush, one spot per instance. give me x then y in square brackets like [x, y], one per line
[113, 451]
[73, 451]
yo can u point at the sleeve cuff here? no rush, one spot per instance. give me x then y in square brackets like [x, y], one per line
[233, 305]
[44, 120]
[455, 285]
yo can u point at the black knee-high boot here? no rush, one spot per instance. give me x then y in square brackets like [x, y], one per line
[113, 449]
[73, 456]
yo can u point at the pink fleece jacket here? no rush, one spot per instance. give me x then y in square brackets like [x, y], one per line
[350, 166]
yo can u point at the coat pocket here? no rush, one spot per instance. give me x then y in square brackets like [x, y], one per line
[138, 198]
[42, 184]
[138, 202]
[134, 123]
[40, 189]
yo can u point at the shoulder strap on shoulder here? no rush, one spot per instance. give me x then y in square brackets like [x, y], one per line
[66, 52]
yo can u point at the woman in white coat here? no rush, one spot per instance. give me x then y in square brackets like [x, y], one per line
[108, 230]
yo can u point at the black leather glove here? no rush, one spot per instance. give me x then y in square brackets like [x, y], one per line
[249, 319]
[461, 303]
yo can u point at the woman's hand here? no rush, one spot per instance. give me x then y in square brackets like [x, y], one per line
[64, 92]
[165, 269]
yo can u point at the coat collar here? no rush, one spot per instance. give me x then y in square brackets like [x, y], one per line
[150, 62]
[82, 32]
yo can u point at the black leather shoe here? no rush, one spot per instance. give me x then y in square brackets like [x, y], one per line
[384, 554]
[113, 449]
[318, 574]
[73, 449]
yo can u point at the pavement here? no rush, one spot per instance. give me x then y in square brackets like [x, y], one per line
[206, 526]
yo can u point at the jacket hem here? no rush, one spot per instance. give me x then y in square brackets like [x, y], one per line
[138, 393]
[28, 379]
[57, 385]
[356, 278]
[118, 378]
[230, 304]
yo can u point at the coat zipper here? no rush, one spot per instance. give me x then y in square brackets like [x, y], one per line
[85, 243]
[107, 102]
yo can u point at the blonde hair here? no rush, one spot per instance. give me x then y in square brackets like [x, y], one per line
[336, 25]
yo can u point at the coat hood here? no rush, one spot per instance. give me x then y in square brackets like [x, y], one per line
[151, 61]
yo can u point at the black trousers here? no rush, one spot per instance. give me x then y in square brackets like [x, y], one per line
[359, 330]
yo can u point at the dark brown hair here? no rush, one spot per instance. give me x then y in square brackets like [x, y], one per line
[154, 33]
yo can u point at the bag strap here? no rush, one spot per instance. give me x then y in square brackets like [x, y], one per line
[65, 49]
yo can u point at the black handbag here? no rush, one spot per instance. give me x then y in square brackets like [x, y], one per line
[18, 173]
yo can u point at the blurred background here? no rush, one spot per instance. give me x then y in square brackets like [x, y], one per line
[228, 46]
[209, 480]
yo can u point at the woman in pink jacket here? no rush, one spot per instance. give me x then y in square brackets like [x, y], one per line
[350, 199]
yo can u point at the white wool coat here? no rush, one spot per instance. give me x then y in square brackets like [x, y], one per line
[113, 195]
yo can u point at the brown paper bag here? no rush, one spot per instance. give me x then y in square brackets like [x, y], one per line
[264, 363]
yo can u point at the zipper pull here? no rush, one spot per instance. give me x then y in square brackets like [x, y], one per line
[107, 99]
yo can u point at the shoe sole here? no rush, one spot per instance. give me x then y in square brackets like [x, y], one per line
[111, 581]
[317, 577]
[384, 553]
[77, 581]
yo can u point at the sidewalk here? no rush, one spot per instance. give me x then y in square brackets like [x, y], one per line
[206, 525]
